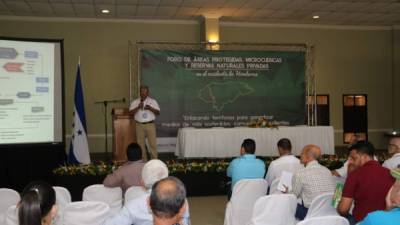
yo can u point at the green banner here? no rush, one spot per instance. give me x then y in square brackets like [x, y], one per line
[224, 88]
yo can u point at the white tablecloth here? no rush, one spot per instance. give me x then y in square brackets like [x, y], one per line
[226, 142]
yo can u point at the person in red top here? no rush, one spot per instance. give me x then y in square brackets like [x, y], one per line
[366, 185]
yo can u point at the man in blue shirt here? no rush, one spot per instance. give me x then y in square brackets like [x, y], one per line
[247, 166]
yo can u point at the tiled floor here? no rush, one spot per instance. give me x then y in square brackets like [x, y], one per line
[208, 210]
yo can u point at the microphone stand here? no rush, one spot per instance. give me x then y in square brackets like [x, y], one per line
[105, 104]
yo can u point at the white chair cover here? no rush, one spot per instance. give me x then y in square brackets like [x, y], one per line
[111, 196]
[85, 213]
[278, 209]
[133, 192]
[325, 220]
[8, 197]
[63, 198]
[321, 206]
[273, 188]
[288, 167]
[245, 193]
[11, 217]
[62, 195]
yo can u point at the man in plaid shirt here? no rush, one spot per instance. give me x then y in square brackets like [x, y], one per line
[312, 180]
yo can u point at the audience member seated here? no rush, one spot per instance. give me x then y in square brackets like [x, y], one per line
[347, 167]
[37, 205]
[394, 152]
[137, 211]
[311, 181]
[168, 201]
[392, 215]
[343, 171]
[286, 161]
[247, 166]
[366, 186]
[130, 173]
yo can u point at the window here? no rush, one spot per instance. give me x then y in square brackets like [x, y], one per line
[355, 117]
[322, 108]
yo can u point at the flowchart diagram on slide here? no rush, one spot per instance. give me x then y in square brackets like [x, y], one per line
[26, 95]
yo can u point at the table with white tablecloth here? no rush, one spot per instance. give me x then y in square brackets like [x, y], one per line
[226, 142]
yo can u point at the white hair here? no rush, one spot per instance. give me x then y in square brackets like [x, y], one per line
[153, 171]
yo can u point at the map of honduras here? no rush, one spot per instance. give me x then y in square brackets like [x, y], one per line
[219, 94]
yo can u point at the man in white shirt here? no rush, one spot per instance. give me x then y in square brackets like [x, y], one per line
[394, 151]
[137, 211]
[286, 162]
[145, 110]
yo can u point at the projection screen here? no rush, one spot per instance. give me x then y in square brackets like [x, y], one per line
[31, 91]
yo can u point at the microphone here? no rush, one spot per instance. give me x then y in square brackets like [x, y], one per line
[141, 102]
[110, 101]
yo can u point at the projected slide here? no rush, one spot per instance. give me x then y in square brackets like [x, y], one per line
[225, 88]
[27, 96]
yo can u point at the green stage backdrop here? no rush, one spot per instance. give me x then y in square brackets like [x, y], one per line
[224, 88]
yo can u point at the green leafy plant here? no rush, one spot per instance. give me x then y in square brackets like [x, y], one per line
[181, 166]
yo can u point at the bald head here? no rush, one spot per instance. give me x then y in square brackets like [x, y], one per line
[310, 153]
[167, 198]
[393, 198]
[394, 145]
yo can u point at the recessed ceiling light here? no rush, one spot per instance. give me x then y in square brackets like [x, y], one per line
[315, 17]
[105, 11]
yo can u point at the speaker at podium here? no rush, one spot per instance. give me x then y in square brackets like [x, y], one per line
[124, 133]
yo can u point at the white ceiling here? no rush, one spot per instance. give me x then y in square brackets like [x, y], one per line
[340, 12]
